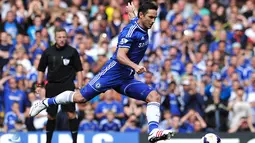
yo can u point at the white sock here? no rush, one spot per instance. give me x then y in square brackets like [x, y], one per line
[153, 115]
[62, 98]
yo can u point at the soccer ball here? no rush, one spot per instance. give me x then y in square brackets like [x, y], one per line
[210, 138]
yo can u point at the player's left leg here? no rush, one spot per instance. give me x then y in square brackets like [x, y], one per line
[85, 94]
[141, 91]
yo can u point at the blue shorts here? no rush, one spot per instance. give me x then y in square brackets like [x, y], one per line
[113, 76]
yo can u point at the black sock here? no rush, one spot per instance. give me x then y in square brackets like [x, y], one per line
[50, 126]
[73, 124]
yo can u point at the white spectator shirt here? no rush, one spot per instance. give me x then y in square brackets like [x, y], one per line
[250, 33]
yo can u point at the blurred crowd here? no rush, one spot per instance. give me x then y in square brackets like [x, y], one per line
[200, 59]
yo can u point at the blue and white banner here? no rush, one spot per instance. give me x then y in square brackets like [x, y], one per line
[65, 137]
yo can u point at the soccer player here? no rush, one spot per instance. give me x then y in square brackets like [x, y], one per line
[118, 74]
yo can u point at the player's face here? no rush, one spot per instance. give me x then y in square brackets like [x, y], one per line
[148, 18]
[61, 38]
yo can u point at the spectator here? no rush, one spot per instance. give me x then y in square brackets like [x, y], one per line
[238, 35]
[224, 90]
[148, 79]
[167, 67]
[162, 85]
[216, 112]
[131, 125]
[33, 74]
[45, 36]
[4, 48]
[22, 59]
[175, 126]
[102, 59]
[89, 123]
[11, 117]
[167, 120]
[10, 26]
[75, 10]
[82, 51]
[250, 32]
[109, 104]
[36, 8]
[37, 46]
[193, 100]
[75, 26]
[132, 108]
[170, 101]
[193, 121]
[241, 119]
[115, 23]
[19, 44]
[21, 12]
[110, 123]
[12, 94]
[83, 107]
[56, 10]
[51, 30]
[177, 64]
[36, 27]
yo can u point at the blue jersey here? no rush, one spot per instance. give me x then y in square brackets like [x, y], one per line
[86, 125]
[105, 125]
[11, 96]
[136, 40]
[115, 107]
[10, 119]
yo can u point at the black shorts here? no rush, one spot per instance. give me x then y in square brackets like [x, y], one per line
[52, 90]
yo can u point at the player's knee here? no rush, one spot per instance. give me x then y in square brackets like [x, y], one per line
[153, 97]
[78, 98]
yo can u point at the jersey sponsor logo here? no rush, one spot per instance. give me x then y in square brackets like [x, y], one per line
[123, 41]
[66, 62]
[143, 44]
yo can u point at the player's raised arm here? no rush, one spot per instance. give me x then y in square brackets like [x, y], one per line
[130, 8]
[123, 59]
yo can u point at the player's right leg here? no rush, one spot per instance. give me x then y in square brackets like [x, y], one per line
[85, 94]
[141, 91]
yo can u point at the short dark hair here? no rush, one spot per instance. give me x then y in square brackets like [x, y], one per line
[148, 72]
[38, 31]
[15, 102]
[145, 6]
[37, 16]
[59, 29]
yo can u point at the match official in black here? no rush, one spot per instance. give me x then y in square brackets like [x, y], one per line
[63, 62]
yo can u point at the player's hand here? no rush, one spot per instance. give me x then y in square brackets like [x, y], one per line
[131, 10]
[130, 7]
[140, 69]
